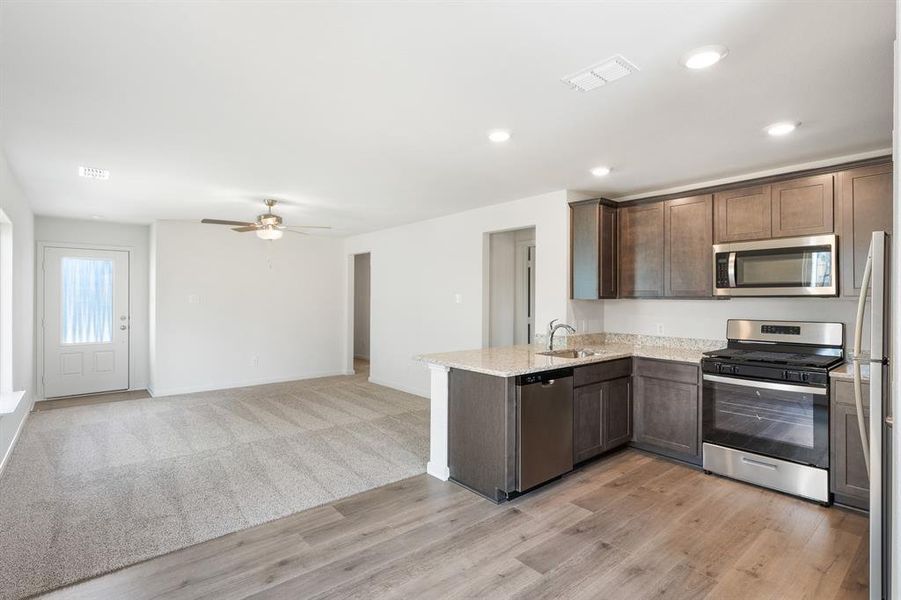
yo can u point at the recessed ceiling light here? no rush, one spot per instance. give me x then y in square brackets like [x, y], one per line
[705, 56]
[782, 128]
[600, 171]
[93, 173]
[499, 136]
[98, 217]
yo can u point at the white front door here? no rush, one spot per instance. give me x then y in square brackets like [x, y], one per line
[85, 321]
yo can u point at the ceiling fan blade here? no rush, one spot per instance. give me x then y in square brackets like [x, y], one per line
[292, 231]
[308, 226]
[221, 222]
[245, 229]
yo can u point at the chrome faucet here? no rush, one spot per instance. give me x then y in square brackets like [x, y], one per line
[552, 329]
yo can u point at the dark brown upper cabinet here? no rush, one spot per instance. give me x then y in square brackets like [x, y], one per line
[593, 234]
[803, 206]
[743, 214]
[865, 201]
[641, 250]
[688, 237]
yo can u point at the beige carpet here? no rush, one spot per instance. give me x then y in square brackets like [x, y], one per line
[93, 488]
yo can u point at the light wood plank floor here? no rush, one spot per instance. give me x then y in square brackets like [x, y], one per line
[627, 526]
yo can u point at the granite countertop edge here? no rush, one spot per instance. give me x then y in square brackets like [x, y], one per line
[511, 361]
[845, 372]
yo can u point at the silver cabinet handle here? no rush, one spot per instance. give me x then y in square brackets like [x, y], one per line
[890, 421]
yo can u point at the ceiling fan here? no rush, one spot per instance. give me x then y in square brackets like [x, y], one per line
[268, 226]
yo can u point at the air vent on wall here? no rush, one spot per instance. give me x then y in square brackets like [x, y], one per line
[615, 67]
[93, 173]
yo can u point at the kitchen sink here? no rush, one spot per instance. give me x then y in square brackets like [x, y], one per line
[569, 353]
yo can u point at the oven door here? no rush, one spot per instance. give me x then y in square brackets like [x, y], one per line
[781, 420]
[804, 266]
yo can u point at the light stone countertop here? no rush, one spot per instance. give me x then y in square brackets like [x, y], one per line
[846, 372]
[510, 361]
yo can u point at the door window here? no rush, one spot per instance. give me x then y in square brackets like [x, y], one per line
[86, 301]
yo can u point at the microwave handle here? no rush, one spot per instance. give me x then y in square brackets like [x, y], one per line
[732, 269]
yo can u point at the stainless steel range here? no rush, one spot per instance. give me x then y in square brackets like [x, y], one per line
[766, 404]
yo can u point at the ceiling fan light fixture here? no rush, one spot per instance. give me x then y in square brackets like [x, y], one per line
[270, 233]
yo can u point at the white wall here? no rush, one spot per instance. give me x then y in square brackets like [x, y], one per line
[707, 318]
[15, 205]
[419, 269]
[134, 238]
[230, 309]
[361, 306]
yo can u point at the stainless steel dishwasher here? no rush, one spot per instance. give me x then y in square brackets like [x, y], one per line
[544, 418]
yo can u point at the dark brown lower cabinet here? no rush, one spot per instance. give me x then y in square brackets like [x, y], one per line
[602, 417]
[667, 401]
[848, 479]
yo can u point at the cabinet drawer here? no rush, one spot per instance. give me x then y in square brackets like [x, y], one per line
[664, 369]
[602, 371]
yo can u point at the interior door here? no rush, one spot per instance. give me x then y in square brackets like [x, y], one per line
[85, 321]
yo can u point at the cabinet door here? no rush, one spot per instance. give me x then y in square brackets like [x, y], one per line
[688, 225]
[743, 214]
[849, 471]
[593, 251]
[641, 249]
[866, 206]
[803, 206]
[608, 261]
[617, 417]
[585, 249]
[666, 415]
[587, 408]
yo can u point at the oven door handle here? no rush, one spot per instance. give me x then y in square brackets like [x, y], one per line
[767, 385]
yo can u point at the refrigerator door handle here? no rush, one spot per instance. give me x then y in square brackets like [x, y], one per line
[858, 334]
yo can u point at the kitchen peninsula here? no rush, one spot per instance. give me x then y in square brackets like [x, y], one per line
[643, 390]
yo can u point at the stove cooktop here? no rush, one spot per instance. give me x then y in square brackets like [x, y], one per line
[763, 358]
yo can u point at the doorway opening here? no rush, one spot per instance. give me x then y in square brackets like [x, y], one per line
[362, 302]
[511, 287]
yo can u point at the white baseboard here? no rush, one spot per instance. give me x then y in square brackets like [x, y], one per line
[400, 386]
[439, 471]
[15, 438]
[176, 391]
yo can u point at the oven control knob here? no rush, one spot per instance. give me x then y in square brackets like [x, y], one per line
[793, 376]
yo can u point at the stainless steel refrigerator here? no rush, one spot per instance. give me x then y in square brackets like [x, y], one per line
[878, 441]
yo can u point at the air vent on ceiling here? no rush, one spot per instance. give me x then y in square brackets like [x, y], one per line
[615, 67]
[93, 173]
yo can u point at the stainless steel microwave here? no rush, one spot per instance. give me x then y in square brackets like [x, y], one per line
[802, 266]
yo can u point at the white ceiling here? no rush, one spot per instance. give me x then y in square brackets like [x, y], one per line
[365, 115]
